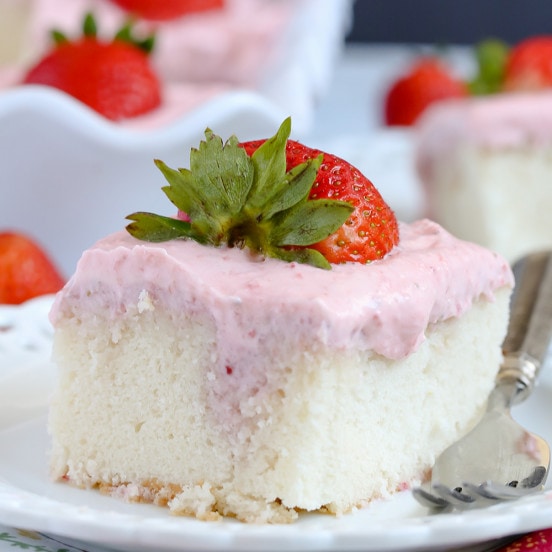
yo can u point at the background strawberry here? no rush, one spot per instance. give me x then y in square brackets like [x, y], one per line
[162, 10]
[114, 78]
[529, 65]
[371, 230]
[426, 82]
[25, 269]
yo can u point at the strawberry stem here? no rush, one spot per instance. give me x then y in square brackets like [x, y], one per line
[124, 34]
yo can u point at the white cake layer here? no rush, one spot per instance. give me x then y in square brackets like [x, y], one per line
[136, 412]
[485, 164]
[499, 198]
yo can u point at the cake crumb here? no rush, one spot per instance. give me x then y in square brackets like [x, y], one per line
[144, 302]
[196, 500]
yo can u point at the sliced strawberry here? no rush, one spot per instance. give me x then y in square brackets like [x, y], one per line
[165, 10]
[25, 269]
[113, 78]
[529, 65]
[426, 82]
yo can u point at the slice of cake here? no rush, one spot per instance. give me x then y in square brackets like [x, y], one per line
[218, 363]
[485, 165]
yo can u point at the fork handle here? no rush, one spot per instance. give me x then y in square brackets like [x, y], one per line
[529, 333]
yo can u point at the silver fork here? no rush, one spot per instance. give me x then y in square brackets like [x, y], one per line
[499, 459]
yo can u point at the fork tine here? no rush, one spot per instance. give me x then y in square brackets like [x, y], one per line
[482, 490]
[455, 497]
[478, 495]
[535, 479]
[428, 499]
[495, 492]
[512, 490]
[505, 492]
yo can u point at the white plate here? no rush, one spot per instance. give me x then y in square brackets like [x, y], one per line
[29, 500]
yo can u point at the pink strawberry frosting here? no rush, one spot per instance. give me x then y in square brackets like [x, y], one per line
[259, 304]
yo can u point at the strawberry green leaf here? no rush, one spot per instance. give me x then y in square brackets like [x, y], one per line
[156, 228]
[269, 162]
[303, 256]
[295, 187]
[223, 174]
[58, 37]
[491, 55]
[183, 193]
[89, 26]
[125, 34]
[310, 222]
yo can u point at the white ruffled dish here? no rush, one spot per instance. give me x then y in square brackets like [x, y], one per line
[29, 500]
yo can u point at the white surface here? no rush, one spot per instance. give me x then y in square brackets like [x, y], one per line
[25, 334]
[29, 500]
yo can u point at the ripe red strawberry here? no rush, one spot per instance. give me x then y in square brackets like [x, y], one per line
[529, 65]
[371, 230]
[25, 270]
[427, 81]
[165, 10]
[276, 198]
[114, 78]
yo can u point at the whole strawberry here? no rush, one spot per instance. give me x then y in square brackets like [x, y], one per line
[426, 82]
[25, 270]
[276, 197]
[165, 10]
[371, 230]
[537, 541]
[114, 77]
[529, 65]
